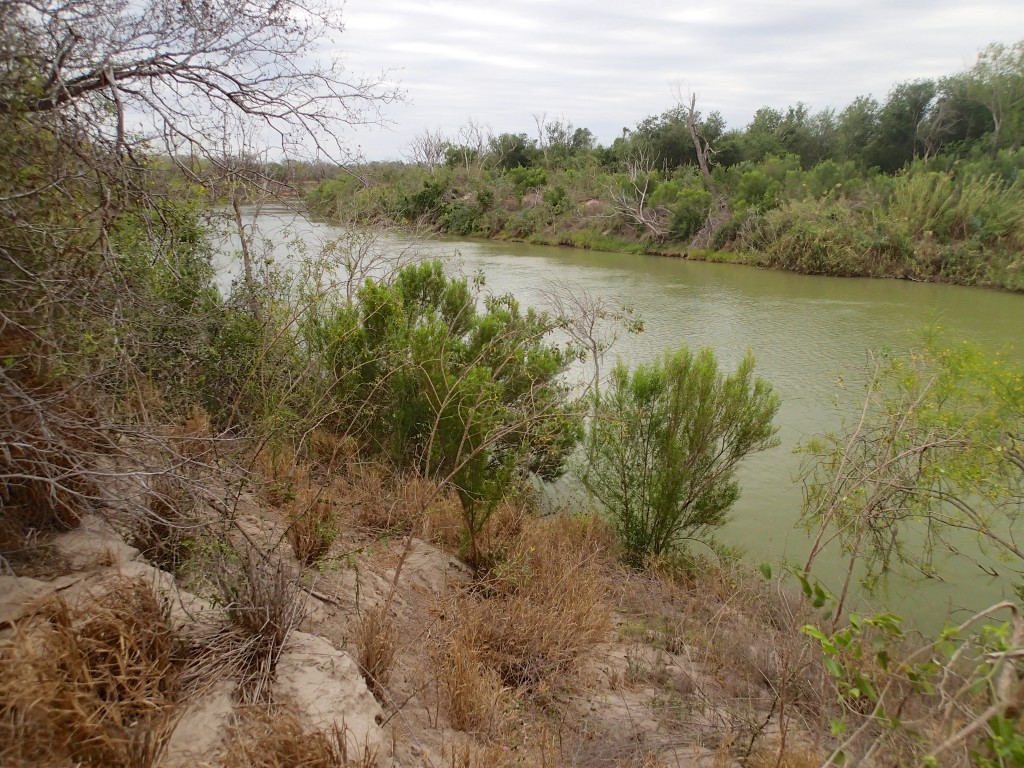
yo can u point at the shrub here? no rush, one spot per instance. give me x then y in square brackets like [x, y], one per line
[689, 213]
[664, 443]
[458, 391]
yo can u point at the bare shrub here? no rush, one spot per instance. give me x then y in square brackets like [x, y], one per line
[275, 738]
[93, 685]
[544, 608]
[51, 440]
[261, 599]
[376, 644]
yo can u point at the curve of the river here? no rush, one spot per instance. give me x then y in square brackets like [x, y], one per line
[806, 333]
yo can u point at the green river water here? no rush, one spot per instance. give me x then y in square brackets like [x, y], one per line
[806, 333]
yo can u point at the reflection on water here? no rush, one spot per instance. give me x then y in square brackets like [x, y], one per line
[807, 333]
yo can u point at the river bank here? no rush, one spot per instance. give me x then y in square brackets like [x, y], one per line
[946, 220]
[810, 336]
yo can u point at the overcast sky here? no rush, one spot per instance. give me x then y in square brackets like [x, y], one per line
[604, 65]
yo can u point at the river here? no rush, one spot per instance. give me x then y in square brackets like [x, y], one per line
[810, 336]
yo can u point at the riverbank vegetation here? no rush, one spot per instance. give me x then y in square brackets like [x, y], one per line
[296, 522]
[923, 185]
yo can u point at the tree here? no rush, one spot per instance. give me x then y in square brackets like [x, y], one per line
[856, 130]
[630, 194]
[181, 67]
[900, 124]
[937, 449]
[997, 81]
[703, 150]
[428, 149]
[664, 443]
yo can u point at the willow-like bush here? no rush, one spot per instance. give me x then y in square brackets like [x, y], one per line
[664, 444]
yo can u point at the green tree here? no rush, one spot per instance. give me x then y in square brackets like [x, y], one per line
[997, 81]
[664, 443]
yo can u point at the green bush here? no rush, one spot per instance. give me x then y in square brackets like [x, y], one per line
[689, 213]
[462, 390]
[664, 443]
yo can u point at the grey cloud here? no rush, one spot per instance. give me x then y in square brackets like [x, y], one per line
[606, 65]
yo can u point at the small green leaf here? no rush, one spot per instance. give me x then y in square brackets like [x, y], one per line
[838, 727]
[834, 667]
[766, 571]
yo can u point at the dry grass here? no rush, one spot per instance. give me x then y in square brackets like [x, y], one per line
[162, 533]
[193, 439]
[477, 701]
[312, 523]
[381, 501]
[469, 754]
[376, 644]
[276, 738]
[542, 608]
[94, 685]
[261, 599]
[327, 451]
[794, 756]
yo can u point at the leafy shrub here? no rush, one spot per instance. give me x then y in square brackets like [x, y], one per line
[690, 212]
[664, 443]
[462, 391]
[526, 179]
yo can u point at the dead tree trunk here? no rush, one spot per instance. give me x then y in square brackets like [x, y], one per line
[720, 212]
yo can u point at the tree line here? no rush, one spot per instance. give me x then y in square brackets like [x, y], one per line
[921, 185]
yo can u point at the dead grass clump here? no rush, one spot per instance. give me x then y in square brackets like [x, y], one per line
[276, 738]
[94, 685]
[543, 608]
[327, 451]
[382, 501]
[477, 701]
[442, 523]
[261, 599]
[194, 437]
[312, 523]
[376, 644]
[51, 439]
[469, 754]
[794, 756]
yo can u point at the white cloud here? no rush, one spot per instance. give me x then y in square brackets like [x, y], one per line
[606, 65]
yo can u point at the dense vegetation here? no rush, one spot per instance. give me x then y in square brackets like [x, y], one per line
[923, 185]
[133, 389]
